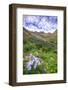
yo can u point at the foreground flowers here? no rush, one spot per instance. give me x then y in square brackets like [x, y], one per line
[33, 62]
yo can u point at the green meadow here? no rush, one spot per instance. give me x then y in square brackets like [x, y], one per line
[42, 45]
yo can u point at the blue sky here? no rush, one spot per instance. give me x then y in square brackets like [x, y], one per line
[47, 24]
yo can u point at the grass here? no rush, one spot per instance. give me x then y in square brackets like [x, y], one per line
[45, 50]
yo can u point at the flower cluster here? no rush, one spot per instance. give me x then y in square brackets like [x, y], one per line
[33, 61]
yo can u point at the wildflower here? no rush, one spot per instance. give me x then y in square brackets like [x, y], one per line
[33, 61]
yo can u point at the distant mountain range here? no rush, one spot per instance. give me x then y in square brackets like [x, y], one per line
[40, 35]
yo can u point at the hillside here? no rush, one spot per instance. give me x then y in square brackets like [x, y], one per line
[42, 45]
[41, 35]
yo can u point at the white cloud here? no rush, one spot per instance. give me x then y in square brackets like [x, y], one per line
[40, 23]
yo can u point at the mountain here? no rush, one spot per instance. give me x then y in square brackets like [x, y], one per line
[46, 37]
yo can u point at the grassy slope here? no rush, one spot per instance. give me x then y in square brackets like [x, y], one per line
[43, 46]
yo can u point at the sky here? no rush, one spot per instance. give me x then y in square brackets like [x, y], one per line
[47, 24]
